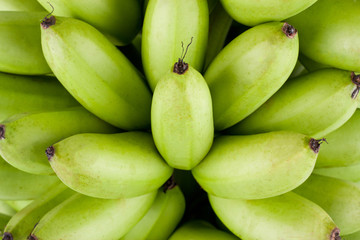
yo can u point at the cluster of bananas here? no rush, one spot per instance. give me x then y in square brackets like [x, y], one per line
[253, 138]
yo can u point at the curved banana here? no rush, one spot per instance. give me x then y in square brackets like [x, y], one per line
[109, 165]
[119, 20]
[200, 230]
[18, 204]
[166, 25]
[348, 173]
[340, 199]
[288, 216]
[23, 140]
[96, 73]
[86, 218]
[249, 70]
[314, 104]
[257, 166]
[20, 5]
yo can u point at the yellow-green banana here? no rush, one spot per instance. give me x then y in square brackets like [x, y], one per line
[298, 70]
[349, 173]
[250, 69]
[24, 140]
[310, 64]
[6, 209]
[340, 199]
[86, 218]
[119, 20]
[4, 219]
[314, 104]
[200, 230]
[354, 236]
[167, 25]
[109, 165]
[20, 5]
[257, 166]
[288, 216]
[20, 43]
[18, 204]
[99, 76]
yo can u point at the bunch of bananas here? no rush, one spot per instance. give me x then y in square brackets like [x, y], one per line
[179, 119]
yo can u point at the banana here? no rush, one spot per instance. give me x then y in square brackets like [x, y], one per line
[314, 104]
[166, 25]
[120, 21]
[298, 70]
[340, 199]
[19, 204]
[20, 44]
[348, 173]
[96, 73]
[250, 69]
[310, 64]
[329, 35]
[4, 219]
[162, 218]
[354, 236]
[109, 165]
[21, 94]
[23, 140]
[6, 209]
[181, 117]
[252, 13]
[23, 222]
[86, 218]
[200, 230]
[288, 216]
[20, 5]
[257, 166]
[19, 185]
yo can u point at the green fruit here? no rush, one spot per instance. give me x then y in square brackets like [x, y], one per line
[349, 173]
[298, 70]
[18, 204]
[6, 208]
[20, 5]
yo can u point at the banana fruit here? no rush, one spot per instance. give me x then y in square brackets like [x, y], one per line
[18, 204]
[6, 208]
[348, 173]
[20, 5]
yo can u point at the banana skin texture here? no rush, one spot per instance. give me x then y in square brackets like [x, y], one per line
[119, 20]
[249, 70]
[109, 165]
[257, 166]
[167, 25]
[314, 104]
[20, 5]
[340, 199]
[23, 140]
[288, 216]
[330, 32]
[86, 218]
[251, 13]
[348, 173]
[98, 75]
[6, 208]
[182, 118]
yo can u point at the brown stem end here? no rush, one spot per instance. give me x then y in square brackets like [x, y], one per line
[50, 152]
[335, 234]
[2, 131]
[289, 30]
[315, 144]
[7, 236]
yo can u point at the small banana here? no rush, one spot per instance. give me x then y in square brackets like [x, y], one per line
[348, 173]
[20, 5]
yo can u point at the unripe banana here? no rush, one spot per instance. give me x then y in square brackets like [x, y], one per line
[349, 173]
[96, 73]
[298, 70]
[4, 219]
[249, 70]
[86, 218]
[18, 204]
[120, 20]
[23, 222]
[257, 166]
[329, 34]
[23, 140]
[6, 208]
[252, 13]
[340, 199]
[354, 236]
[21, 94]
[20, 43]
[19, 185]
[314, 104]
[109, 165]
[288, 216]
[166, 25]
[310, 64]
[181, 117]
[20, 5]
[200, 230]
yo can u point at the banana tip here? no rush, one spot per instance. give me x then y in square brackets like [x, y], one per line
[335, 234]
[50, 152]
[180, 67]
[315, 144]
[289, 30]
[48, 21]
[32, 237]
[7, 236]
[356, 80]
[2, 131]
[169, 184]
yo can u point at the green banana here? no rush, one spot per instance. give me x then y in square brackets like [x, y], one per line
[19, 185]
[18, 204]
[20, 44]
[21, 94]
[314, 104]
[298, 70]
[120, 20]
[6, 208]
[20, 5]
[86, 218]
[109, 165]
[310, 64]
[329, 34]
[24, 139]
[288, 216]
[96, 73]
[200, 230]
[340, 199]
[250, 69]
[354, 236]
[4, 219]
[348, 173]
[166, 25]
[23, 222]
[161, 219]
[252, 13]
[181, 117]
[257, 166]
